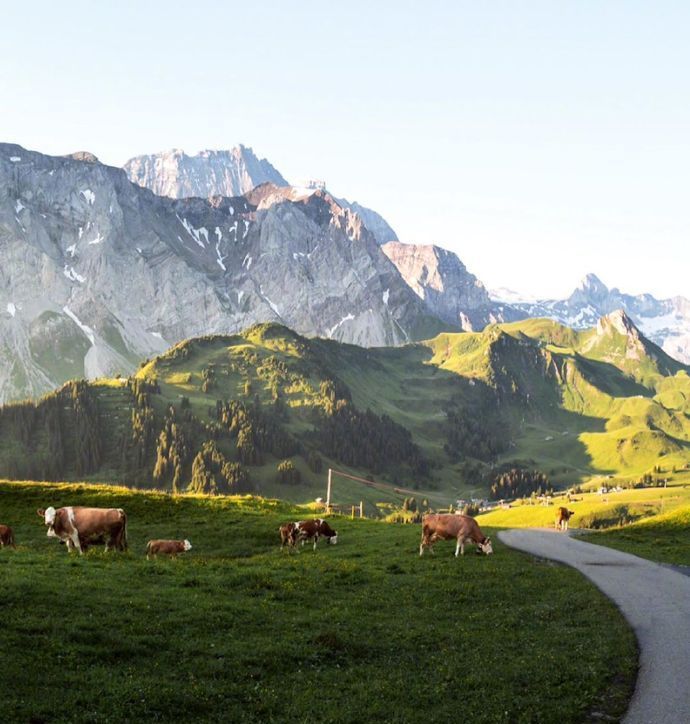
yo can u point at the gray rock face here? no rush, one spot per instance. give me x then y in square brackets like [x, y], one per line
[209, 173]
[448, 290]
[97, 273]
[376, 224]
[228, 173]
[665, 321]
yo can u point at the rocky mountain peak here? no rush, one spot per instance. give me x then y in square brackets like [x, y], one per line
[210, 172]
[591, 290]
[449, 291]
[85, 156]
[619, 322]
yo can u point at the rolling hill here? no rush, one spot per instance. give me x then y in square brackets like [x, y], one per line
[217, 414]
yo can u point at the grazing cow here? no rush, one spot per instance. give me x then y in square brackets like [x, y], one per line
[80, 527]
[562, 517]
[318, 528]
[446, 526]
[167, 547]
[288, 535]
[6, 536]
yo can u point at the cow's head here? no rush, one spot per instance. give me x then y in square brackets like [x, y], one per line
[485, 547]
[48, 516]
[187, 545]
[333, 538]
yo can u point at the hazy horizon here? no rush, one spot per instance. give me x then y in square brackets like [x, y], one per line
[539, 143]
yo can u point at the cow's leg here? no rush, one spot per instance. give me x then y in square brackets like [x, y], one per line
[316, 540]
[458, 546]
[74, 536]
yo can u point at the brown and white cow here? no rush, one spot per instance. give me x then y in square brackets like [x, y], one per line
[80, 527]
[6, 536]
[167, 547]
[288, 535]
[305, 530]
[446, 526]
[563, 515]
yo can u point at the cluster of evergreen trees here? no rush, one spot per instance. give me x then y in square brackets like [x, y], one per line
[288, 474]
[255, 432]
[172, 454]
[365, 440]
[519, 483]
[213, 474]
[61, 431]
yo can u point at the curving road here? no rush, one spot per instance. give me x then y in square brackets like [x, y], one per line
[654, 599]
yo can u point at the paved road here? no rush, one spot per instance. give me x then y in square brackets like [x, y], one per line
[654, 599]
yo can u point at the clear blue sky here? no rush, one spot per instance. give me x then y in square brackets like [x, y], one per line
[538, 140]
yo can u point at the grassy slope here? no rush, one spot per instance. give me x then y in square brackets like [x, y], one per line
[664, 537]
[652, 523]
[575, 403]
[237, 631]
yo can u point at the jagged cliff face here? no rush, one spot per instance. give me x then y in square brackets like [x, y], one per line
[97, 273]
[229, 173]
[209, 173]
[665, 321]
[448, 290]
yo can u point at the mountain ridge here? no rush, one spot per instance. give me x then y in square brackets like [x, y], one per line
[99, 273]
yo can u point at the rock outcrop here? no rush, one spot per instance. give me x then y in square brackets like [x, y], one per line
[448, 290]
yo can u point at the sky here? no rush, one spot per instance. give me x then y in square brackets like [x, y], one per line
[538, 140]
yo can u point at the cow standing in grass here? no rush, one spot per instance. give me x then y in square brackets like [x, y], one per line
[6, 537]
[448, 526]
[79, 527]
[305, 530]
[563, 515]
[288, 535]
[167, 548]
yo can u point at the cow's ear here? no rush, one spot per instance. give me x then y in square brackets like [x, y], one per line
[41, 513]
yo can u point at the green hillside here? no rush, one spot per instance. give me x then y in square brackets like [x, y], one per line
[443, 418]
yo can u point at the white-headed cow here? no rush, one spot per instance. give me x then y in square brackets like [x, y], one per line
[563, 515]
[448, 526]
[167, 547]
[305, 530]
[80, 527]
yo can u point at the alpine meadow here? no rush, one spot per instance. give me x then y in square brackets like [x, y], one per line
[381, 419]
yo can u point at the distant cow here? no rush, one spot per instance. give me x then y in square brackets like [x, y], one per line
[288, 535]
[446, 526]
[562, 517]
[305, 530]
[6, 536]
[80, 527]
[167, 547]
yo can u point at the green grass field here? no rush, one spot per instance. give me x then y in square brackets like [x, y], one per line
[653, 523]
[238, 631]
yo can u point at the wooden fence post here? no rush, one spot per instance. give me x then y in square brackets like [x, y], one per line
[328, 491]
[361, 509]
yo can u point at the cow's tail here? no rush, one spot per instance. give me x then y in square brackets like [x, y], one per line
[123, 533]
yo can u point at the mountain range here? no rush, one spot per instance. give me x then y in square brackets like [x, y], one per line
[664, 321]
[103, 267]
[99, 273]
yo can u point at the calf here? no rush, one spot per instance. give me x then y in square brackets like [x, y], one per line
[167, 547]
[563, 515]
[80, 527]
[446, 526]
[314, 529]
[6, 536]
[288, 535]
